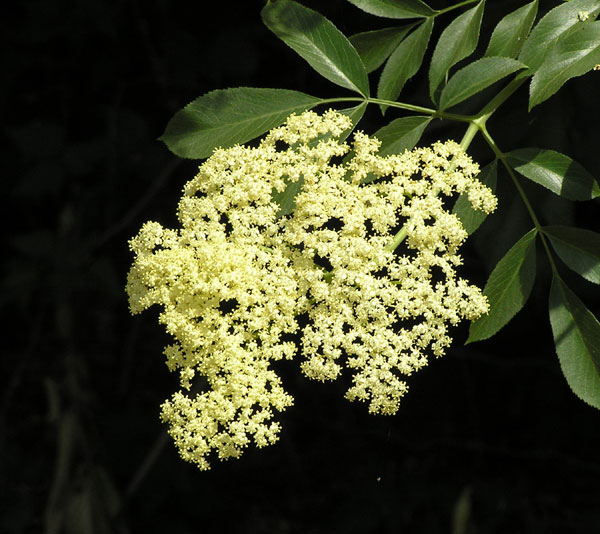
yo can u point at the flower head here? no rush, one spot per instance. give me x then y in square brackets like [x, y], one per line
[374, 309]
[234, 278]
[228, 295]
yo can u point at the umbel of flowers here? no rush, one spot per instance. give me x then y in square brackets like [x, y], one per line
[234, 278]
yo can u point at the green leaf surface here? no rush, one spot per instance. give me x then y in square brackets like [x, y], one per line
[355, 113]
[577, 338]
[578, 248]
[401, 134]
[375, 47]
[225, 117]
[509, 35]
[394, 9]
[470, 218]
[555, 171]
[319, 42]
[404, 62]
[575, 54]
[475, 77]
[551, 26]
[457, 41]
[507, 288]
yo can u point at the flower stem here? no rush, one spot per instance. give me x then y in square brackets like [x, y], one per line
[420, 109]
[469, 136]
[488, 110]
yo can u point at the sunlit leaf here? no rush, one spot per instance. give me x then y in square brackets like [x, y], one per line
[225, 117]
[509, 35]
[578, 248]
[575, 54]
[577, 338]
[507, 288]
[555, 171]
[475, 77]
[394, 9]
[551, 26]
[457, 41]
[319, 42]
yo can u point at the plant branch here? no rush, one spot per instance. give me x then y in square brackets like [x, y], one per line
[455, 6]
[502, 157]
[489, 109]
[420, 109]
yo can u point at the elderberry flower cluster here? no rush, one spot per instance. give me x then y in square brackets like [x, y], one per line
[237, 275]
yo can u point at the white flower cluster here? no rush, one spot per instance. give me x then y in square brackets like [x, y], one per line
[233, 280]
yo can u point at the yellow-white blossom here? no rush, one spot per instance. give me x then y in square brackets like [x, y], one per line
[373, 309]
[234, 278]
[228, 295]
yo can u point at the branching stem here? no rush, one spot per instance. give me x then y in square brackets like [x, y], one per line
[502, 157]
[455, 6]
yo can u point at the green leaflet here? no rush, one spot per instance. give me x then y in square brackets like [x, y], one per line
[575, 54]
[470, 218]
[394, 9]
[401, 134]
[551, 26]
[225, 117]
[507, 288]
[404, 62]
[577, 338]
[475, 77]
[457, 42]
[355, 113]
[319, 42]
[509, 35]
[578, 248]
[555, 171]
[375, 47]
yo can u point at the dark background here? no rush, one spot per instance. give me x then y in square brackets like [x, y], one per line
[489, 439]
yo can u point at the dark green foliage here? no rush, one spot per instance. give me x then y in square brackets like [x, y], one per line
[507, 288]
